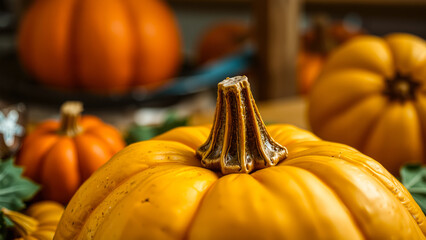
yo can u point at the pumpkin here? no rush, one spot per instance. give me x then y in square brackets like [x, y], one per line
[241, 181]
[62, 155]
[372, 95]
[39, 222]
[103, 46]
[317, 43]
[221, 40]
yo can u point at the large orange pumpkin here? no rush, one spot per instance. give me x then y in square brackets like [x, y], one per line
[62, 155]
[102, 45]
[372, 95]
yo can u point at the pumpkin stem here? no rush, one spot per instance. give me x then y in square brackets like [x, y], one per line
[401, 88]
[24, 225]
[324, 41]
[70, 115]
[238, 141]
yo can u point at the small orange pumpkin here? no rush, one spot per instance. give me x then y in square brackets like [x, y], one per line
[106, 46]
[62, 155]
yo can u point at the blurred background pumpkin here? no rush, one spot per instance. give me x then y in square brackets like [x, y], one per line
[221, 40]
[61, 155]
[317, 42]
[39, 222]
[371, 95]
[107, 46]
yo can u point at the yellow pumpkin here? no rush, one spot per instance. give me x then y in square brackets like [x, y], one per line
[371, 95]
[159, 189]
[39, 222]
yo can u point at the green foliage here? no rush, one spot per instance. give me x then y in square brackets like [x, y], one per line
[413, 176]
[138, 133]
[14, 190]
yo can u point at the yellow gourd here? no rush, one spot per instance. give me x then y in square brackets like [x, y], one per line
[371, 95]
[241, 181]
[39, 222]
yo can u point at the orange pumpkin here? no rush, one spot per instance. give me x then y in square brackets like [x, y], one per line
[108, 45]
[62, 155]
[221, 40]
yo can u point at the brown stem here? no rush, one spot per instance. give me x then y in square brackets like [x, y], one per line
[70, 115]
[401, 88]
[23, 224]
[322, 41]
[238, 141]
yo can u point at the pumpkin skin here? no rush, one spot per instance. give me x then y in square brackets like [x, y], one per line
[103, 46]
[40, 221]
[157, 189]
[361, 99]
[61, 163]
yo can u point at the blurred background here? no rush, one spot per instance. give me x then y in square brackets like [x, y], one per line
[157, 63]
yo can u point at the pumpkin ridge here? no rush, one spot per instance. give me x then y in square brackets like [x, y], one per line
[307, 192]
[37, 176]
[321, 160]
[43, 159]
[145, 180]
[100, 200]
[191, 222]
[44, 167]
[369, 130]
[87, 216]
[110, 193]
[93, 131]
[386, 179]
[343, 108]
[81, 158]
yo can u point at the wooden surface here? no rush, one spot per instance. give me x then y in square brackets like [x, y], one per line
[276, 31]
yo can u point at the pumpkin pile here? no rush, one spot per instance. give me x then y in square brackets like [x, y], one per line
[62, 155]
[241, 180]
[371, 95]
[107, 46]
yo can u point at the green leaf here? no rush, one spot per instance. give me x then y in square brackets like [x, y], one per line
[138, 133]
[14, 188]
[3, 227]
[413, 176]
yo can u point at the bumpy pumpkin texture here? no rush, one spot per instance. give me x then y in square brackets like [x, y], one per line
[159, 189]
[372, 95]
[62, 155]
[39, 221]
[101, 45]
